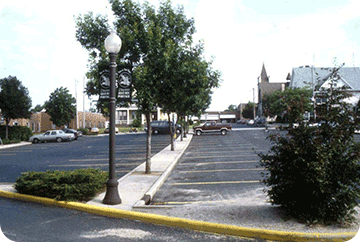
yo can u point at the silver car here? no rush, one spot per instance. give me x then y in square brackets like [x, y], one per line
[52, 135]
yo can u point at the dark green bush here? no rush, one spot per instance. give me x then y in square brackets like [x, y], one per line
[84, 130]
[8, 141]
[22, 133]
[136, 123]
[76, 185]
[314, 172]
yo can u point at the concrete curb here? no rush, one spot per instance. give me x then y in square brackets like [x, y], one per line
[14, 145]
[185, 223]
[155, 187]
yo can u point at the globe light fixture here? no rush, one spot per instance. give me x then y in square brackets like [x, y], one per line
[113, 43]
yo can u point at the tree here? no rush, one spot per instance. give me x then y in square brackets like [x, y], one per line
[37, 108]
[61, 106]
[188, 77]
[248, 111]
[15, 101]
[149, 36]
[293, 102]
[232, 108]
[320, 164]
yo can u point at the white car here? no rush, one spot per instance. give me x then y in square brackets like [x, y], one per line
[94, 130]
[107, 130]
[250, 122]
[52, 135]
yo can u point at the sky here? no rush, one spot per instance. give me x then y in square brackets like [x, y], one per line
[38, 44]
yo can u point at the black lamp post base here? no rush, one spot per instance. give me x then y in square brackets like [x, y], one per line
[112, 194]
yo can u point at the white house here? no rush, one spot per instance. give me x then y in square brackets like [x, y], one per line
[318, 77]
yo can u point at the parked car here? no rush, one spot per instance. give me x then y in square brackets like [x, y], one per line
[260, 122]
[209, 127]
[107, 130]
[94, 130]
[52, 135]
[73, 131]
[162, 127]
[241, 121]
[250, 122]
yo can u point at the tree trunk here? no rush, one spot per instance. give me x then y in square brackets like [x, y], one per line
[171, 133]
[7, 121]
[182, 128]
[148, 144]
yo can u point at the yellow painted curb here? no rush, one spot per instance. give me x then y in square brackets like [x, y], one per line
[186, 223]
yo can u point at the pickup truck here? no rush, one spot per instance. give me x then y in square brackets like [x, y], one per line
[208, 127]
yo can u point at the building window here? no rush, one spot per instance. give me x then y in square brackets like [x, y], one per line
[122, 115]
[38, 127]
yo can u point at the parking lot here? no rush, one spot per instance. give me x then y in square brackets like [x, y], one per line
[86, 152]
[216, 168]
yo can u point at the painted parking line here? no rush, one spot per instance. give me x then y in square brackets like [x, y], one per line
[223, 170]
[106, 159]
[217, 156]
[224, 152]
[180, 203]
[212, 183]
[73, 165]
[219, 162]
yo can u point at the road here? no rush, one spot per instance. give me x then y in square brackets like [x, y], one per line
[92, 151]
[27, 222]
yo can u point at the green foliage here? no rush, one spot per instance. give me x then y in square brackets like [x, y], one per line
[232, 108]
[37, 108]
[137, 122]
[76, 185]
[16, 133]
[15, 101]
[61, 106]
[291, 103]
[85, 131]
[248, 111]
[314, 172]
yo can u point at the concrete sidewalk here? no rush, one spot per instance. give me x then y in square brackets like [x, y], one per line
[137, 188]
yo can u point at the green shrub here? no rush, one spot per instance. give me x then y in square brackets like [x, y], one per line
[76, 185]
[21, 133]
[314, 172]
[136, 123]
[85, 131]
[8, 141]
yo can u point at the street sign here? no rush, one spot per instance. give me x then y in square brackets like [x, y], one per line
[104, 86]
[124, 83]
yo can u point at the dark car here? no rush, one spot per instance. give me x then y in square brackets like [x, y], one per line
[162, 127]
[73, 131]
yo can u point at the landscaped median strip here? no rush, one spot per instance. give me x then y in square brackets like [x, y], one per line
[185, 223]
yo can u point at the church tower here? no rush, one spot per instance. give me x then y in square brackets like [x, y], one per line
[263, 76]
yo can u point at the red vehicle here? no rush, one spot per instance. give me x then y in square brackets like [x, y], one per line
[209, 127]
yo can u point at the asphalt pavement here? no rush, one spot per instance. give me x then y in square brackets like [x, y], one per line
[243, 211]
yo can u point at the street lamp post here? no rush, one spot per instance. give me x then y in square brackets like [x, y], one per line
[112, 197]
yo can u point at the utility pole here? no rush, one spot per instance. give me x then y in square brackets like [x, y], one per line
[254, 102]
[77, 117]
[83, 101]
